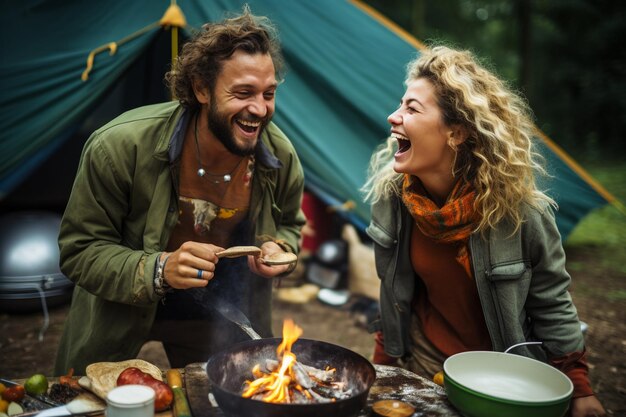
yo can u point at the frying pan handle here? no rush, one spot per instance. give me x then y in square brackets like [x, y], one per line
[249, 331]
[522, 344]
[232, 313]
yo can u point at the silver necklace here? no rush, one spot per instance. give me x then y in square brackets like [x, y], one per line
[202, 172]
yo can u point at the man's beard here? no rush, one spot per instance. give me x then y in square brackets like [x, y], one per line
[220, 125]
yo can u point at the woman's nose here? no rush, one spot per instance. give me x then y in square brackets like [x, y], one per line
[394, 118]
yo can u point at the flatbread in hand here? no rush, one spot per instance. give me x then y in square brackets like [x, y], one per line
[237, 251]
[280, 258]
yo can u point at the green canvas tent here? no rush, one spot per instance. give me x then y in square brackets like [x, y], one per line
[345, 75]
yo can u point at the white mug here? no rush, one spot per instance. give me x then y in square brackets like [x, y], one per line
[130, 401]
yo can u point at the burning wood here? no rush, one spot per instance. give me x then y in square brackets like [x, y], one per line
[322, 375]
[287, 381]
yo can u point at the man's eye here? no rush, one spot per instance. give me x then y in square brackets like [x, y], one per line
[269, 95]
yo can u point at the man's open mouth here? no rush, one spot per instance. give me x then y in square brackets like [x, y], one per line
[247, 126]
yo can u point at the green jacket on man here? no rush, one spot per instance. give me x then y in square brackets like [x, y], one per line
[123, 206]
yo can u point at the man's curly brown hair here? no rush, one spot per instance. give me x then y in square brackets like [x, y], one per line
[202, 58]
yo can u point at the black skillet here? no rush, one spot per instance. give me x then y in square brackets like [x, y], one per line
[227, 371]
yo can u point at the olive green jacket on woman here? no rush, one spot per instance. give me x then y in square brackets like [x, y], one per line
[123, 207]
[521, 279]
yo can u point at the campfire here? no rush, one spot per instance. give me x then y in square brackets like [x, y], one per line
[285, 380]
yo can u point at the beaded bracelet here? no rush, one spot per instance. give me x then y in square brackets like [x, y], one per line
[161, 287]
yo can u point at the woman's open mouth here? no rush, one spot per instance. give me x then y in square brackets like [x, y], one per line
[404, 144]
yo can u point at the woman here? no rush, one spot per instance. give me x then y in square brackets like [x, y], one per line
[466, 245]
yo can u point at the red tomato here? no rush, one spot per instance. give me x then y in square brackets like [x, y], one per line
[163, 393]
[15, 393]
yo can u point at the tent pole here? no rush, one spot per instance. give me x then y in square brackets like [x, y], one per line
[174, 19]
[580, 171]
[403, 34]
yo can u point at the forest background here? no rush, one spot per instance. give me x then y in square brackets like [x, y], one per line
[566, 56]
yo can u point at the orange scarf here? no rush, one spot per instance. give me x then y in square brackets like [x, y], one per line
[452, 223]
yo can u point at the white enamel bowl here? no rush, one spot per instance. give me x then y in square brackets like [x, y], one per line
[495, 384]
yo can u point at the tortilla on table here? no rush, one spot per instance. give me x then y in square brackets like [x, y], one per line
[101, 377]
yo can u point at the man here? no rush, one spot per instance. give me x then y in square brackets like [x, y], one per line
[161, 189]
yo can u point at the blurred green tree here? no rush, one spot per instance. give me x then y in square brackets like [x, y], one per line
[566, 56]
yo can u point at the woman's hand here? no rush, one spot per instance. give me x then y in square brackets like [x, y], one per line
[191, 265]
[268, 271]
[587, 407]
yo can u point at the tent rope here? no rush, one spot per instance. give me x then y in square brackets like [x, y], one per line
[113, 47]
[172, 17]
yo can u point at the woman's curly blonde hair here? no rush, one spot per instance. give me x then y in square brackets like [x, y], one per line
[497, 157]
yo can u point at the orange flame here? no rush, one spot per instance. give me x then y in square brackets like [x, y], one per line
[291, 333]
[275, 386]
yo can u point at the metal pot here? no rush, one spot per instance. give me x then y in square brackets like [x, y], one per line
[227, 371]
[30, 278]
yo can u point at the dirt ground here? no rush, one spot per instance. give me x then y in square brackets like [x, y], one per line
[599, 296]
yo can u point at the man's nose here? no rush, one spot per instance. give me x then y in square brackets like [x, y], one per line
[259, 107]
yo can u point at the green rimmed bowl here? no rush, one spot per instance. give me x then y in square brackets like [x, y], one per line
[495, 384]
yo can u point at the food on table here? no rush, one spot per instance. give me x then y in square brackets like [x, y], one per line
[36, 384]
[175, 382]
[101, 377]
[438, 378]
[63, 393]
[15, 393]
[82, 406]
[34, 395]
[14, 408]
[69, 380]
[163, 393]
[392, 408]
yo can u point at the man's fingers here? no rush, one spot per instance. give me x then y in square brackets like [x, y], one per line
[257, 266]
[205, 251]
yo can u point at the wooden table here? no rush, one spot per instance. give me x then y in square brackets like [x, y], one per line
[428, 398]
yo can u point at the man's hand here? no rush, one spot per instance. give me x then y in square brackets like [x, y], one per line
[267, 271]
[191, 265]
